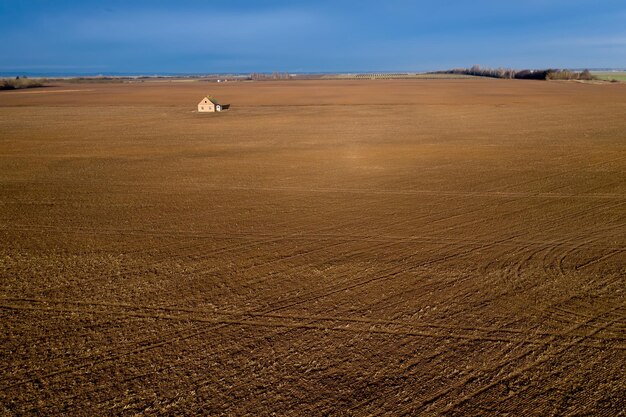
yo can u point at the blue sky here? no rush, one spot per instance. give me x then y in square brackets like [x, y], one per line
[153, 36]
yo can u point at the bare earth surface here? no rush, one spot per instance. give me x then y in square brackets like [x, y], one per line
[416, 247]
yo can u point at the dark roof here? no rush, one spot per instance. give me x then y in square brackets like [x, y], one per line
[212, 100]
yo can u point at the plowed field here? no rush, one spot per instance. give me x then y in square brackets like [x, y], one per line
[399, 247]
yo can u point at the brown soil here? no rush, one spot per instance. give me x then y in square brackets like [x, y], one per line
[411, 247]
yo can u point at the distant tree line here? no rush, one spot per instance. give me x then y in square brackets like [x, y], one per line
[546, 74]
[272, 76]
[19, 82]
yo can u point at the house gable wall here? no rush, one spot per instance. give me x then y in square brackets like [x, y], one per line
[206, 106]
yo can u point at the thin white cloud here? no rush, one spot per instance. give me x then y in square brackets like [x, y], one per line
[595, 41]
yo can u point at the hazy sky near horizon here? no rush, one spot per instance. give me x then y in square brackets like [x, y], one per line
[195, 36]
